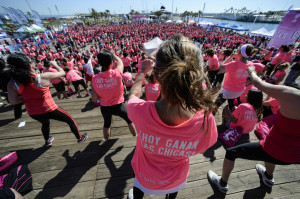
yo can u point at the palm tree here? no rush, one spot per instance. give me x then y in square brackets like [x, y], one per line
[158, 13]
[94, 14]
[107, 13]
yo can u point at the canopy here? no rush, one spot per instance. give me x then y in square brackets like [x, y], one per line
[205, 23]
[192, 21]
[152, 45]
[179, 21]
[238, 27]
[232, 27]
[262, 32]
[25, 29]
[169, 21]
[37, 28]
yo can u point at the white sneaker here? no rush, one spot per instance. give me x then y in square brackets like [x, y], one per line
[261, 172]
[215, 179]
[130, 194]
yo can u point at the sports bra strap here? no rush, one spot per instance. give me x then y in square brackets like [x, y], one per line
[39, 80]
[16, 84]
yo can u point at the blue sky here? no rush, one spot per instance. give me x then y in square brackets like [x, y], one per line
[69, 7]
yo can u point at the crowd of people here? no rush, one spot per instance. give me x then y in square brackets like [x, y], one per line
[186, 80]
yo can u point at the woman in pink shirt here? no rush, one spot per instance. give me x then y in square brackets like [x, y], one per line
[278, 59]
[247, 114]
[74, 77]
[58, 83]
[152, 88]
[177, 126]
[236, 74]
[107, 87]
[126, 62]
[279, 147]
[213, 65]
[279, 74]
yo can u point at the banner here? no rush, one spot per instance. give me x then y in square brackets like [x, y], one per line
[10, 14]
[23, 16]
[37, 16]
[288, 30]
[16, 15]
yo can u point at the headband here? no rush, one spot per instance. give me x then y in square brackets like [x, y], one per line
[243, 51]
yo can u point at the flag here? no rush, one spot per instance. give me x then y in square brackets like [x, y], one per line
[37, 16]
[16, 15]
[22, 16]
[10, 14]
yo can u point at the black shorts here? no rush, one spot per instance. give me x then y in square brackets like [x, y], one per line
[60, 87]
[77, 83]
[118, 109]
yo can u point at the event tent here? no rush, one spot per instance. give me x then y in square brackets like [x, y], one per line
[238, 27]
[262, 32]
[152, 45]
[192, 21]
[169, 21]
[205, 23]
[37, 28]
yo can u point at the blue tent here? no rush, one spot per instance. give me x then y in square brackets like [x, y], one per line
[238, 28]
[223, 25]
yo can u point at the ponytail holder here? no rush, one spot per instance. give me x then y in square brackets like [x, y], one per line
[243, 51]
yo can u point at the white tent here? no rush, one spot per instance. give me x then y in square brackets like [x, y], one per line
[169, 21]
[34, 27]
[192, 21]
[24, 29]
[152, 45]
[205, 23]
[262, 32]
[179, 21]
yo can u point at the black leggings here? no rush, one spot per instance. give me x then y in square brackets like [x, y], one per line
[138, 194]
[60, 115]
[118, 109]
[252, 151]
[220, 100]
[77, 83]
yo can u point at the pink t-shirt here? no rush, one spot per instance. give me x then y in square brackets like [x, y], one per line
[109, 87]
[280, 55]
[236, 76]
[278, 75]
[40, 66]
[126, 61]
[246, 118]
[275, 105]
[152, 91]
[70, 65]
[53, 81]
[127, 77]
[258, 67]
[213, 61]
[161, 158]
[243, 95]
[73, 75]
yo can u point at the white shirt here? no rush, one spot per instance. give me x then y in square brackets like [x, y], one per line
[89, 68]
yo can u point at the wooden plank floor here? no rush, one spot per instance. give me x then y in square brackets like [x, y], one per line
[101, 169]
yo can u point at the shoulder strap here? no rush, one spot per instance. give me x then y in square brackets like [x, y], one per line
[16, 84]
[39, 80]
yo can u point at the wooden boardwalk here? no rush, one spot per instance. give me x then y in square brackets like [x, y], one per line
[101, 169]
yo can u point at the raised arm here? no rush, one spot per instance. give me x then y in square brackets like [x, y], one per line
[51, 75]
[136, 88]
[288, 97]
[120, 65]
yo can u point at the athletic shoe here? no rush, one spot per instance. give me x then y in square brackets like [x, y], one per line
[86, 95]
[130, 194]
[83, 138]
[215, 179]
[261, 172]
[79, 96]
[49, 141]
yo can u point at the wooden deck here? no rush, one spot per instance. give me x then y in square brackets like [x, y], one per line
[101, 169]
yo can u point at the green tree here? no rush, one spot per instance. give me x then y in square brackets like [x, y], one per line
[107, 13]
[158, 13]
[94, 14]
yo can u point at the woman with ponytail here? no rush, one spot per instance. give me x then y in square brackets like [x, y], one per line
[35, 93]
[179, 125]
